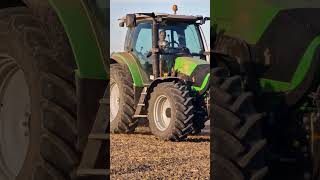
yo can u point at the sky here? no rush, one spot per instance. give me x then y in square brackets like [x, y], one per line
[120, 8]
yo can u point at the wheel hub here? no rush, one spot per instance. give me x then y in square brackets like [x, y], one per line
[162, 112]
[114, 101]
[15, 114]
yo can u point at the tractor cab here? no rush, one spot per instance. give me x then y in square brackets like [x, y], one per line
[157, 40]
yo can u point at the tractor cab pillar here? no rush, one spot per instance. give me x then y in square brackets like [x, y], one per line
[155, 49]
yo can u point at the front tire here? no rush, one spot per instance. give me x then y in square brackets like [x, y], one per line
[170, 111]
[238, 144]
[201, 115]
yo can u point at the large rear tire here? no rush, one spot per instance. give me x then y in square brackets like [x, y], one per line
[121, 100]
[46, 78]
[238, 144]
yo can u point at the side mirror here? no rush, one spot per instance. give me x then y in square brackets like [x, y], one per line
[131, 20]
[204, 20]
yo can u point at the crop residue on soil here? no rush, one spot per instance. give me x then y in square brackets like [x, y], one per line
[142, 156]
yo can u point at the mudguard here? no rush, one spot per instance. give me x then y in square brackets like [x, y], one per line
[139, 77]
[79, 27]
[195, 70]
[248, 19]
[284, 56]
[307, 62]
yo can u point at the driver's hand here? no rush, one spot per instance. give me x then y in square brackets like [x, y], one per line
[149, 54]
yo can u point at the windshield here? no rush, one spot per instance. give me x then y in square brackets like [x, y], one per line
[173, 38]
[181, 37]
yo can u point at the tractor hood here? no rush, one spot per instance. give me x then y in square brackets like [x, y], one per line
[194, 70]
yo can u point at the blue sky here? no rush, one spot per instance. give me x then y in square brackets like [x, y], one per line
[121, 7]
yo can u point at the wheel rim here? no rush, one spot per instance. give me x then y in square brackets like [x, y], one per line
[114, 101]
[162, 113]
[15, 113]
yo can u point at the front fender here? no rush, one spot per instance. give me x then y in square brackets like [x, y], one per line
[194, 70]
[161, 80]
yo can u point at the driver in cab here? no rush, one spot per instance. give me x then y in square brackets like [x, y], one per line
[163, 43]
[165, 63]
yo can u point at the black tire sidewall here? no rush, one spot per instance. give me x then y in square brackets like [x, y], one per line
[52, 149]
[161, 90]
[116, 79]
[13, 46]
[124, 121]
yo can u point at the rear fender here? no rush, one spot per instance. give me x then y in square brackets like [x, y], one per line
[79, 27]
[139, 77]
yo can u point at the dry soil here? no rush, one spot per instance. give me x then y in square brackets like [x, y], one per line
[142, 156]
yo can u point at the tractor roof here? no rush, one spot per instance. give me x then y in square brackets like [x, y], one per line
[171, 17]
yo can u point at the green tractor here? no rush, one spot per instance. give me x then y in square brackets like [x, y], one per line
[162, 76]
[53, 72]
[265, 90]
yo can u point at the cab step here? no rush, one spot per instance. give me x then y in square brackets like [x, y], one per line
[97, 146]
[140, 116]
[141, 104]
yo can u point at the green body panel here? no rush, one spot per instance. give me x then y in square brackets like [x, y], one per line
[183, 65]
[203, 85]
[300, 73]
[245, 19]
[83, 39]
[248, 19]
[138, 75]
[187, 66]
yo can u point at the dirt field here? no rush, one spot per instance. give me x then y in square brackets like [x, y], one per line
[142, 156]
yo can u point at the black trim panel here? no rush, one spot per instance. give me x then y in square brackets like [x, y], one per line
[285, 41]
[199, 74]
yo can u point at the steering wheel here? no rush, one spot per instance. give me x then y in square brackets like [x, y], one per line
[175, 42]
